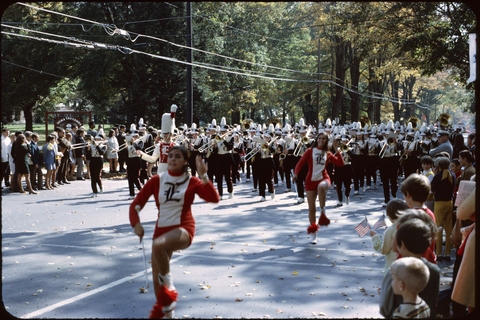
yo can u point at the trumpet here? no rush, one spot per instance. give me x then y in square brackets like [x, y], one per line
[222, 137]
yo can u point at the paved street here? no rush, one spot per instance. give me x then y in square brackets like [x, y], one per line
[67, 255]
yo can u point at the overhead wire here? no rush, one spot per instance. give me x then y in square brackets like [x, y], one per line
[112, 30]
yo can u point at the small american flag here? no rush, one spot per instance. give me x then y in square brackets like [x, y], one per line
[363, 228]
[380, 223]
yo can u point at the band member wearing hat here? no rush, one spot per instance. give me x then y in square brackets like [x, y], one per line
[64, 147]
[318, 182]
[195, 142]
[174, 191]
[80, 153]
[223, 151]
[266, 167]
[344, 173]
[123, 153]
[133, 162]
[161, 150]
[389, 163]
[97, 148]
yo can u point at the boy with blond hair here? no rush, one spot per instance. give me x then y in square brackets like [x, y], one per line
[410, 276]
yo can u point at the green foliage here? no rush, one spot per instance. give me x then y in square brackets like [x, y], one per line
[244, 53]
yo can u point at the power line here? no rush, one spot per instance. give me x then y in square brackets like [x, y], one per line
[34, 70]
[113, 30]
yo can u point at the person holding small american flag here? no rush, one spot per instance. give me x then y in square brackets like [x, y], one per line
[384, 244]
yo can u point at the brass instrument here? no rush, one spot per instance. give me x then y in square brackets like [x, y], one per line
[122, 146]
[85, 144]
[344, 147]
[415, 122]
[207, 146]
[147, 150]
[303, 141]
[255, 150]
[390, 142]
[365, 121]
[247, 123]
[445, 120]
[404, 155]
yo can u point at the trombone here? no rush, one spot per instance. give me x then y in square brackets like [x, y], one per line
[86, 143]
[390, 142]
[255, 150]
[305, 140]
[207, 146]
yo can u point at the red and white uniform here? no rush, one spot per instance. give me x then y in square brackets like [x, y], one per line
[317, 160]
[161, 153]
[174, 195]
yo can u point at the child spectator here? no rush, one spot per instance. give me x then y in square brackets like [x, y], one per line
[416, 189]
[466, 161]
[410, 276]
[384, 245]
[413, 238]
[427, 170]
[443, 184]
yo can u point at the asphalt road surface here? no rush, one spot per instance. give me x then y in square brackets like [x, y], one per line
[68, 255]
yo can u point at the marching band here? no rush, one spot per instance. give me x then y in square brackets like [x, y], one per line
[268, 153]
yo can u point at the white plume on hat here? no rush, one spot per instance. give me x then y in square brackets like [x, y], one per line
[223, 122]
[140, 123]
[133, 127]
[168, 120]
[397, 125]
[270, 129]
[389, 125]
[409, 127]
[100, 134]
[213, 125]
[328, 124]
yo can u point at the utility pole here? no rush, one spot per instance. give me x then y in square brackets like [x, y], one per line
[189, 107]
[318, 87]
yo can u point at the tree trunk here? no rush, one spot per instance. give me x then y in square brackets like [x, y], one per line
[394, 83]
[28, 114]
[342, 61]
[355, 94]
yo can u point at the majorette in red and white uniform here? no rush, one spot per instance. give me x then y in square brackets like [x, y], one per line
[174, 195]
[317, 160]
